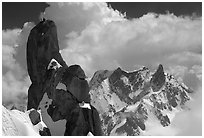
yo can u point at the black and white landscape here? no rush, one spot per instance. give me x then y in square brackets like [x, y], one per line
[113, 69]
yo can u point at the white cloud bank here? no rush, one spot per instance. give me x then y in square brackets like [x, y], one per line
[95, 36]
[98, 37]
[15, 82]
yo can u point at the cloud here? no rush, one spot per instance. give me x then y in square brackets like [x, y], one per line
[192, 76]
[75, 17]
[97, 37]
[13, 88]
[7, 50]
[15, 82]
[158, 130]
[154, 128]
[189, 122]
[20, 55]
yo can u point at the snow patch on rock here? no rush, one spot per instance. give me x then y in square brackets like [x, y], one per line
[54, 64]
[61, 86]
[56, 128]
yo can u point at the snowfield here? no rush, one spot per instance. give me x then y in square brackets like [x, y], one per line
[17, 123]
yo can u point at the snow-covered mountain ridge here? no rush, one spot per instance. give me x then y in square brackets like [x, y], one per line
[129, 101]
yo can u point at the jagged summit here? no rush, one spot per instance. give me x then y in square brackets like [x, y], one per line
[127, 101]
[98, 77]
[158, 79]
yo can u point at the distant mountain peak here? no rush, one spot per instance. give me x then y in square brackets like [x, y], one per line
[127, 101]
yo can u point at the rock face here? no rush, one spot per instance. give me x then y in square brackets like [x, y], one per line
[42, 46]
[129, 103]
[45, 132]
[66, 87]
[34, 117]
[75, 82]
[158, 79]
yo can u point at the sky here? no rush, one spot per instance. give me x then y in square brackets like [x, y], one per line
[106, 36]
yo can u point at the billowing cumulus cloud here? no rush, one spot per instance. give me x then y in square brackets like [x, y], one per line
[148, 40]
[189, 122]
[75, 17]
[97, 37]
[15, 82]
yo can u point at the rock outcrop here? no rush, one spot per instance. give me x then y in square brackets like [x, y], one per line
[74, 79]
[34, 117]
[66, 87]
[158, 79]
[45, 132]
[42, 46]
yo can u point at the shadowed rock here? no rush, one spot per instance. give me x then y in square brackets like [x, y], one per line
[158, 79]
[34, 117]
[67, 87]
[42, 46]
[74, 79]
[45, 132]
[65, 104]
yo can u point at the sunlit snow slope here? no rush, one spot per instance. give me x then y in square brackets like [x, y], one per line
[17, 123]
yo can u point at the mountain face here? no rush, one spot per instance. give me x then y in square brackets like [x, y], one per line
[129, 102]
